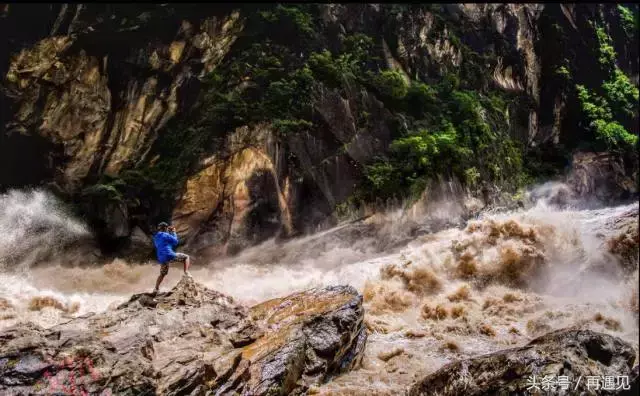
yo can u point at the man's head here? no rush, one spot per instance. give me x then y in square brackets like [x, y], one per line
[162, 226]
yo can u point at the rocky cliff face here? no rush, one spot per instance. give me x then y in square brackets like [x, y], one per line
[90, 92]
[190, 341]
[104, 80]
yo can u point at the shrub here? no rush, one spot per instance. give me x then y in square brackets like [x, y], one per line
[103, 192]
[422, 147]
[385, 178]
[607, 54]
[413, 159]
[391, 84]
[602, 113]
[421, 99]
[290, 20]
[614, 135]
[288, 126]
[621, 93]
[628, 19]
[449, 83]
[563, 72]
[464, 105]
[471, 176]
[593, 106]
[324, 67]
[359, 46]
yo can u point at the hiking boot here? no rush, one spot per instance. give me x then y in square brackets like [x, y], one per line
[188, 274]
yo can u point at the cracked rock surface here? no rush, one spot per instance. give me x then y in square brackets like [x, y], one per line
[190, 341]
[576, 354]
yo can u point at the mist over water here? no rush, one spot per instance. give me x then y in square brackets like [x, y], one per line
[434, 286]
[33, 226]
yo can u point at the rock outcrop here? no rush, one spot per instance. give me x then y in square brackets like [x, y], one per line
[105, 80]
[601, 176]
[190, 341]
[576, 354]
[240, 196]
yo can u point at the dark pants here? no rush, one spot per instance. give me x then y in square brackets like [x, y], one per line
[180, 258]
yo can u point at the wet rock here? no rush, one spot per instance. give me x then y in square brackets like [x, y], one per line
[309, 337]
[139, 247]
[623, 239]
[567, 352]
[634, 386]
[237, 198]
[388, 355]
[600, 176]
[190, 341]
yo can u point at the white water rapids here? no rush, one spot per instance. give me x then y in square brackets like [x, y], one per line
[498, 282]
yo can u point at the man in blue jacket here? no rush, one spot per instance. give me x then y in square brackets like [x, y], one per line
[165, 241]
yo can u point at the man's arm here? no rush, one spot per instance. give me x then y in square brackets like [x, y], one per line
[172, 237]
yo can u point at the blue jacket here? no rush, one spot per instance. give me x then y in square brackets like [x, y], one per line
[165, 242]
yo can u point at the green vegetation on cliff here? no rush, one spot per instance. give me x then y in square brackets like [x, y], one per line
[450, 132]
[614, 104]
[629, 20]
[449, 122]
[282, 61]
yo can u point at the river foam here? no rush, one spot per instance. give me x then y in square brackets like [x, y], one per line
[498, 281]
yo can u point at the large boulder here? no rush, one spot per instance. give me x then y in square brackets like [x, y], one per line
[190, 341]
[600, 176]
[576, 354]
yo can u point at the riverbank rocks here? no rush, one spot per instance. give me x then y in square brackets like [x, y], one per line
[600, 176]
[190, 341]
[576, 354]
